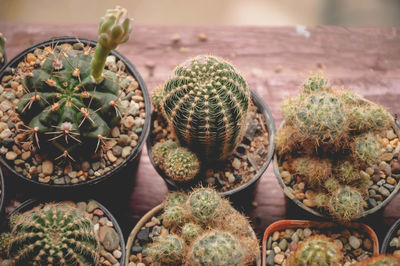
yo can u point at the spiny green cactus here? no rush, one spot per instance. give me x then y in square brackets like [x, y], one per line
[4, 242]
[321, 199]
[157, 95]
[181, 164]
[2, 50]
[285, 139]
[346, 172]
[204, 204]
[174, 217]
[234, 222]
[316, 82]
[314, 170]
[317, 250]
[65, 104]
[216, 248]
[331, 184]
[167, 250]
[380, 260]
[206, 103]
[349, 97]
[175, 198]
[346, 204]
[365, 149]
[369, 117]
[191, 231]
[160, 151]
[56, 234]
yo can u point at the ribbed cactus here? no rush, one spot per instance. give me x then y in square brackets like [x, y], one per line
[204, 205]
[191, 231]
[56, 234]
[216, 248]
[160, 151]
[316, 82]
[206, 103]
[174, 216]
[167, 250]
[181, 164]
[2, 49]
[71, 99]
[314, 170]
[317, 250]
[346, 204]
[380, 260]
[366, 149]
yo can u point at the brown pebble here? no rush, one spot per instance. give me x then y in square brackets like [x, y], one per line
[150, 224]
[98, 212]
[202, 37]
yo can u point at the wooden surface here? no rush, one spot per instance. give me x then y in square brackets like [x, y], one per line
[275, 60]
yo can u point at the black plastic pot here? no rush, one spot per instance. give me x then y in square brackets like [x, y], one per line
[29, 204]
[2, 195]
[136, 151]
[244, 189]
[389, 236]
[319, 214]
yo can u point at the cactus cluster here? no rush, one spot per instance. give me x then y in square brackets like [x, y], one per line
[327, 138]
[209, 234]
[71, 99]
[52, 234]
[380, 260]
[317, 250]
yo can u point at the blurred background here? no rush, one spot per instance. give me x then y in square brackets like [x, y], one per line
[210, 12]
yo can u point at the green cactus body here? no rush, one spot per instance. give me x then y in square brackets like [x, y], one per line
[317, 250]
[216, 248]
[321, 199]
[174, 217]
[331, 184]
[4, 242]
[314, 170]
[2, 50]
[167, 250]
[204, 204]
[191, 231]
[366, 149]
[234, 222]
[369, 117]
[346, 172]
[182, 165]
[157, 97]
[316, 82]
[54, 234]
[206, 103]
[381, 260]
[346, 204]
[350, 98]
[175, 198]
[160, 151]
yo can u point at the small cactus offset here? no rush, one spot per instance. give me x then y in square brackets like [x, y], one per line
[380, 260]
[161, 150]
[316, 82]
[2, 49]
[206, 103]
[191, 231]
[317, 250]
[157, 97]
[314, 170]
[366, 149]
[175, 198]
[181, 164]
[174, 216]
[346, 204]
[56, 234]
[167, 250]
[71, 99]
[205, 205]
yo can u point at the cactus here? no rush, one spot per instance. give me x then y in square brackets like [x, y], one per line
[234, 222]
[350, 98]
[67, 101]
[346, 204]
[55, 234]
[161, 150]
[2, 50]
[321, 200]
[174, 217]
[169, 249]
[366, 149]
[175, 198]
[157, 96]
[181, 164]
[204, 204]
[317, 250]
[285, 139]
[369, 117]
[314, 170]
[380, 260]
[331, 184]
[191, 231]
[216, 248]
[316, 82]
[4, 242]
[206, 103]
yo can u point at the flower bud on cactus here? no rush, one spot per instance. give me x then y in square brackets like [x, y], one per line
[366, 149]
[216, 248]
[317, 250]
[181, 164]
[346, 204]
[206, 103]
[4, 242]
[174, 217]
[316, 82]
[204, 204]
[314, 170]
[380, 260]
[160, 151]
[167, 250]
[191, 231]
[56, 234]
[2, 50]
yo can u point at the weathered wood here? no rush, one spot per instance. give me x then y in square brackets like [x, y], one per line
[275, 60]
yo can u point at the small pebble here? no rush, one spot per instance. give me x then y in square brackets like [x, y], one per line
[47, 167]
[354, 242]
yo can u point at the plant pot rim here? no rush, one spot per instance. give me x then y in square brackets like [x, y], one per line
[291, 224]
[316, 213]
[388, 237]
[2, 195]
[146, 218]
[141, 140]
[263, 108]
[31, 203]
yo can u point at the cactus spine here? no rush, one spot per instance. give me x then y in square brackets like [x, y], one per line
[204, 205]
[170, 249]
[181, 164]
[346, 204]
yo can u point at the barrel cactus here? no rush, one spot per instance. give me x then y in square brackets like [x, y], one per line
[206, 104]
[71, 99]
[317, 250]
[167, 250]
[380, 260]
[346, 204]
[181, 164]
[56, 234]
[174, 216]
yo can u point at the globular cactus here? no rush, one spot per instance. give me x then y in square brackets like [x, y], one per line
[206, 103]
[369, 117]
[317, 250]
[4, 242]
[346, 204]
[216, 248]
[346, 172]
[234, 222]
[174, 216]
[157, 95]
[285, 139]
[175, 198]
[181, 164]
[365, 149]
[191, 231]
[380, 260]
[204, 204]
[314, 170]
[167, 250]
[56, 234]
[160, 151]
[321, 200]
[2, 50]
[331, 184]
[71, 99]
[316, 82]
[350, 98]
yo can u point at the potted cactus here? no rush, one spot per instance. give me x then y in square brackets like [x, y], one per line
[62, 233]
[74, 112]
[391, 243]
[300, 242]
[199, 228]
[337, 153]
[3, 58]
[381, 260]
[209, 128]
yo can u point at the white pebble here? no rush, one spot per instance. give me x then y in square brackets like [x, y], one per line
[236, 163]
[117, 254]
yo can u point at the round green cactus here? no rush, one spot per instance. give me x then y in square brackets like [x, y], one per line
[160, 151]
[366, 149]
[204, 204]
[181, 164]
[346, 204]
[55, 234]
[369, 117]
[206, 103]
[4, 242]
[314, 170]
[331, 184]
[157, 95]
[346, 172]
[216, 248]
[174, 217]
[350, 98]
[380, 260]
[175, 198]
[316, 82]
[317, 250]
[167, 250]
[191, 231]
[321, 199]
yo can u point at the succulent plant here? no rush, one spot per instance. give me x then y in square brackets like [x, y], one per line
[234, 222]
[157, 96]
[321, 200]
[2, 50]
[346, 172]
[216, 248]
[346, 204]
[314, 170]
[350, 98]
[175, 198]
[4, 242]
[316, 82]
[181, 164]
[285, 139]
[71, 99]
[317, 250]
[167, 250]
[160, 151]
[55, 234]
[174, 216]
[366, 149]
[331, 184]
[380, 260]
[369, 117]
[206, 103]
[191, 231]
[204, 204]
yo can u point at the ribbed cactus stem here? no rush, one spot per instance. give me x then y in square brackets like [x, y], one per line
[98, 62]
